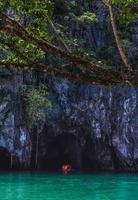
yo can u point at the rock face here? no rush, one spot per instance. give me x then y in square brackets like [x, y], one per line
[92, 127]
[14, 137]
[89, 127]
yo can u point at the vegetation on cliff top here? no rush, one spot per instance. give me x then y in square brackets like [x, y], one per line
[29, 31]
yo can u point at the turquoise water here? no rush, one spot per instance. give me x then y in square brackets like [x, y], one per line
[42, 186]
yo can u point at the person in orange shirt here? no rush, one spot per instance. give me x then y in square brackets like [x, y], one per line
[66, 168]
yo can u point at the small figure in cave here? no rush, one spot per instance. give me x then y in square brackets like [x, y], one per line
[66, 168]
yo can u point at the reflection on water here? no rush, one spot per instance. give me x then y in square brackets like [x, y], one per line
[41, 186]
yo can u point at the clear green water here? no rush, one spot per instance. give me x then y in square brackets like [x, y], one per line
[41, 186]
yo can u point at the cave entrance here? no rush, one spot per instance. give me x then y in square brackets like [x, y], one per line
[63, 149]
[5, 159]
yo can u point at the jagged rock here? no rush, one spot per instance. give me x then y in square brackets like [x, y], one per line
[89, 127]
[103, 120]
[14, 136]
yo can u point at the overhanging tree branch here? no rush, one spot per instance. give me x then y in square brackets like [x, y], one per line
[84, 78]
[73, 59]
[60, 73]
[18, 30]
[90, 72]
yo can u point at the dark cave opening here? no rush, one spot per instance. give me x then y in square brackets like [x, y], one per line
[62, 149]
[5, 159]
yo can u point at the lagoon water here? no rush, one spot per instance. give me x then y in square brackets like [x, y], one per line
[54, 186]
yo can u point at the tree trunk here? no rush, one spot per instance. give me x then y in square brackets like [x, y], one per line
[117, 39]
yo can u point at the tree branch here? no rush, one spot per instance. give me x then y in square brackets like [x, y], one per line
[93, 73]
[56, 32]
[121, 50]
[83, 78]
[20, 31]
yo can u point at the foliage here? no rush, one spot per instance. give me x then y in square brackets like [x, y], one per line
[65, 9]
[36, 103]
[88, 17]
[128, 10]
[70, 21]
[31, 15]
